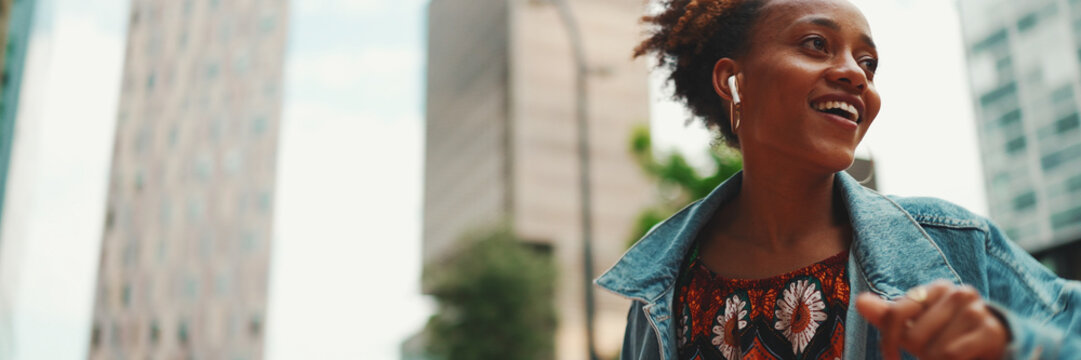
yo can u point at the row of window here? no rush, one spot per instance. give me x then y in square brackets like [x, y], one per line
[155, 333]
[1027, 200]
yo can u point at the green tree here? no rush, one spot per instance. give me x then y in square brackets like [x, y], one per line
[679, 183]
[495, 301]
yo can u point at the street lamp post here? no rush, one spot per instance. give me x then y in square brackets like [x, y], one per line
[581, 70]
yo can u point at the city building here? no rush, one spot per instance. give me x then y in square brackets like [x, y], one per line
[1024, 59]
[15, 24]
[16, 18]
[185, 246]
[501, 141]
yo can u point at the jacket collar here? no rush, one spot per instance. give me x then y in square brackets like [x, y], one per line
[889, 245]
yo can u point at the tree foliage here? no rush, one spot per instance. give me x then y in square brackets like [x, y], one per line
[495, 301]
[679, 182]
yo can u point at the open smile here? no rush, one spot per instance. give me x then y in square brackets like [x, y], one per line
[846, 107]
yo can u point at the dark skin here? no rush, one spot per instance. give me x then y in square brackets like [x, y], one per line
[802, 54]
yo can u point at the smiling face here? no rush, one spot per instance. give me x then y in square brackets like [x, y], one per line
[806, 84]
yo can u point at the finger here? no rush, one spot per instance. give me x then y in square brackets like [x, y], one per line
[969, 313]
[931, 322]
[895, 322]
[976, 344]
[872, 307]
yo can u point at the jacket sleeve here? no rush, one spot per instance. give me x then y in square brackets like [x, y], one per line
[1041, 310]
[639, 340]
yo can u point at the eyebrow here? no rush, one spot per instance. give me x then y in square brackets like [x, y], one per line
[833, 25]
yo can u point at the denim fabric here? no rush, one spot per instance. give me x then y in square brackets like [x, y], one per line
[898, 243]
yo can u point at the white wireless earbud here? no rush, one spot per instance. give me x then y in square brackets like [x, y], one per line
[735, 89]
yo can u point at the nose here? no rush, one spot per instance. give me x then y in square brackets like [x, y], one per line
[847, 73]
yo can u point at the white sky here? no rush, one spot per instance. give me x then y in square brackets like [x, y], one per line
[344, 278]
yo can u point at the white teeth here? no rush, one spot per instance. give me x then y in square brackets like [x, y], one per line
[826, 105]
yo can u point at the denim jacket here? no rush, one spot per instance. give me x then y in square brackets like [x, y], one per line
[898, 243]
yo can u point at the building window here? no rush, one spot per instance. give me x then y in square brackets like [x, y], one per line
[255, 326]
[259, 124]
[1073, 184]
[110, 219]
[1053, 160]
[994, 96]
[1063, 94]
[150, 80]
[191, 288]
[182, 333]
[267, 24]
[95, 336]
[1066, 218]
[155, 332]
[174, 134]
[250, 241]
[992, 41]
[139, 181]
[1066, 124]
[212, 71]
[1010, 118]
[1027, 22]
[1024, 201]
[125, 296]
[1016, 145]
[264, 201]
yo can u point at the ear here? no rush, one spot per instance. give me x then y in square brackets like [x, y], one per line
[723, 69]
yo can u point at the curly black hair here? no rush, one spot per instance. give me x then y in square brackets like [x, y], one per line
[688, 37]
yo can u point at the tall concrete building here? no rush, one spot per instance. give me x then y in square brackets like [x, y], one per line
[1025, 75]
[185, 249]
[501, 140]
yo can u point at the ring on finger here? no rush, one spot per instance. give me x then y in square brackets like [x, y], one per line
[917, 294]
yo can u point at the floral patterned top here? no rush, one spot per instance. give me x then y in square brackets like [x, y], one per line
[798, 315]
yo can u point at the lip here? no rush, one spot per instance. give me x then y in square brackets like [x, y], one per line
[853, 100]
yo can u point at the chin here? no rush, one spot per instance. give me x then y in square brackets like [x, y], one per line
[837, 159]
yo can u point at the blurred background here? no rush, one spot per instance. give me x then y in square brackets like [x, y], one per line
[371, 179]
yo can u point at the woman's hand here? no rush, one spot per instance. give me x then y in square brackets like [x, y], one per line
[936, 321]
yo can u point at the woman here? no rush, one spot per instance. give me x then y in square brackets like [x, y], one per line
[792, 258]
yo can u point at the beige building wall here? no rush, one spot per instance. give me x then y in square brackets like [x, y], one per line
[466, 158]
[545, 145]
[538, 188]
[185, 249]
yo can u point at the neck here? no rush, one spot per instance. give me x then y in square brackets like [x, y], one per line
[783, 207]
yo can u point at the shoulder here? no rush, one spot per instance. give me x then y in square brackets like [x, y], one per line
[929, 211]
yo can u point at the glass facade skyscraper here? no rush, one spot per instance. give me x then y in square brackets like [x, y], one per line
[1025, 74]
[16, 20]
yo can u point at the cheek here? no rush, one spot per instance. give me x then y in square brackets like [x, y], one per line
[874, 104]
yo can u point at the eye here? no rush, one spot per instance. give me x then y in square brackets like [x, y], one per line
[815, 42]
[871, 64]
